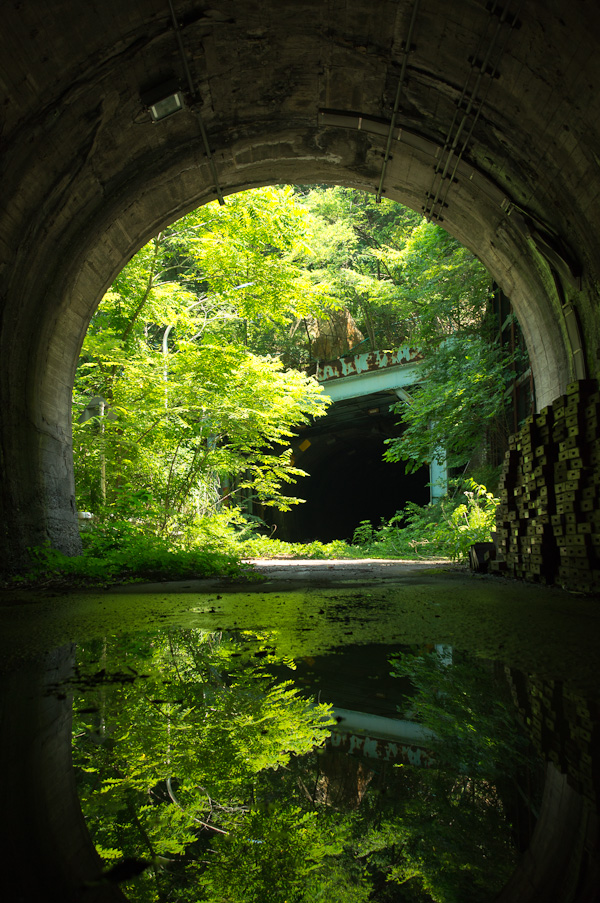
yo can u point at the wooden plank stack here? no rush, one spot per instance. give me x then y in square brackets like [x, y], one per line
[548, 521]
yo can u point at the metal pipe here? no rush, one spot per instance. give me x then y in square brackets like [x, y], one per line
[484, 98]
[471, 101]
[459, 104]
[450, 146]
[182, 52]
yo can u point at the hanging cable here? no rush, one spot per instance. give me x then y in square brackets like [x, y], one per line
[196, 99]
[471, 105]
[480, 105]
[407, 50]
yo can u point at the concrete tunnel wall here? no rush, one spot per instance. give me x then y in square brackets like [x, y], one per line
[43, 833]
[301, 92]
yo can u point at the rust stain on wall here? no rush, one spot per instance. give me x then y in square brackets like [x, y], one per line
[354, 365]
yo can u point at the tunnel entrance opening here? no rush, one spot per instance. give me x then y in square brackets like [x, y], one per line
[348, 480]
[62, 525]
[187, 340]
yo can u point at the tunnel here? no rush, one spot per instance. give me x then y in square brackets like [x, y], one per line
[484, 116]
[347, 481]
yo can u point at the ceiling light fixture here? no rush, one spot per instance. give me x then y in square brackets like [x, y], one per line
[163, 100]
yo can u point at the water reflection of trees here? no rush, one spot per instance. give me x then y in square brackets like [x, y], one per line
[172, 735]
[473, 797]
[195, 760]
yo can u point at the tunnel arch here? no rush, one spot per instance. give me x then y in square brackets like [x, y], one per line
[311, 93]
[91, 263]
[288, 92]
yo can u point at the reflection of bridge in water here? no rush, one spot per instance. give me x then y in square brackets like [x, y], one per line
[378, 737]
[372, 706]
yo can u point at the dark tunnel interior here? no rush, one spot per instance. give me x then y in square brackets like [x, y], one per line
[348, 479]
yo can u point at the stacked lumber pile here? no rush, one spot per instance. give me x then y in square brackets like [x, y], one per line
[548, 521]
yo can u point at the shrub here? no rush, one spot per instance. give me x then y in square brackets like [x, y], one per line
[446, 528]
[118, 551]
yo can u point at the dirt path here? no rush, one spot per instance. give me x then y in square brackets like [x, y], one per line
[342, 571]
[279, 574]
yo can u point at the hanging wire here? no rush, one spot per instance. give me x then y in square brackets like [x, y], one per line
[401, 80]
[195, 97]
[471, 105]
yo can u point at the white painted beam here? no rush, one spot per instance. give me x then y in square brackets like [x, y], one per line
[382, 728]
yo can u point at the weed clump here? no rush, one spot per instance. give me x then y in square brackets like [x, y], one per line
[446, 529]
[120, 550]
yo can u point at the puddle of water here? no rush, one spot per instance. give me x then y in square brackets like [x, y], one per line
[339, 745]
[217, 769]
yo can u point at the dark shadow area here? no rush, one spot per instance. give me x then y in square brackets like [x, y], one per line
[348, 479]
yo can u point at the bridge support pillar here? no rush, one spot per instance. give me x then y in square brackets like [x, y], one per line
[438, 479]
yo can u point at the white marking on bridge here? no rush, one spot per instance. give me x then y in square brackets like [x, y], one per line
[359, 375]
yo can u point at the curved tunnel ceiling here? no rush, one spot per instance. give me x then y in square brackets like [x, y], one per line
[499, 99]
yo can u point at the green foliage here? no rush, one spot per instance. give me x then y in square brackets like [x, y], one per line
[251, 256]
[117, 551]
[270, 858]
[473, 520]
[192, 756]
[414, 532]
[444, 529]
[120, 549]
[401, 277]
[175, 733]
[455, 825]
[257, 546]
[364, 534]
[185, 413]
[191, 359]
[471, 713]
[356, 240]
[462, 392]
[406, 280]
